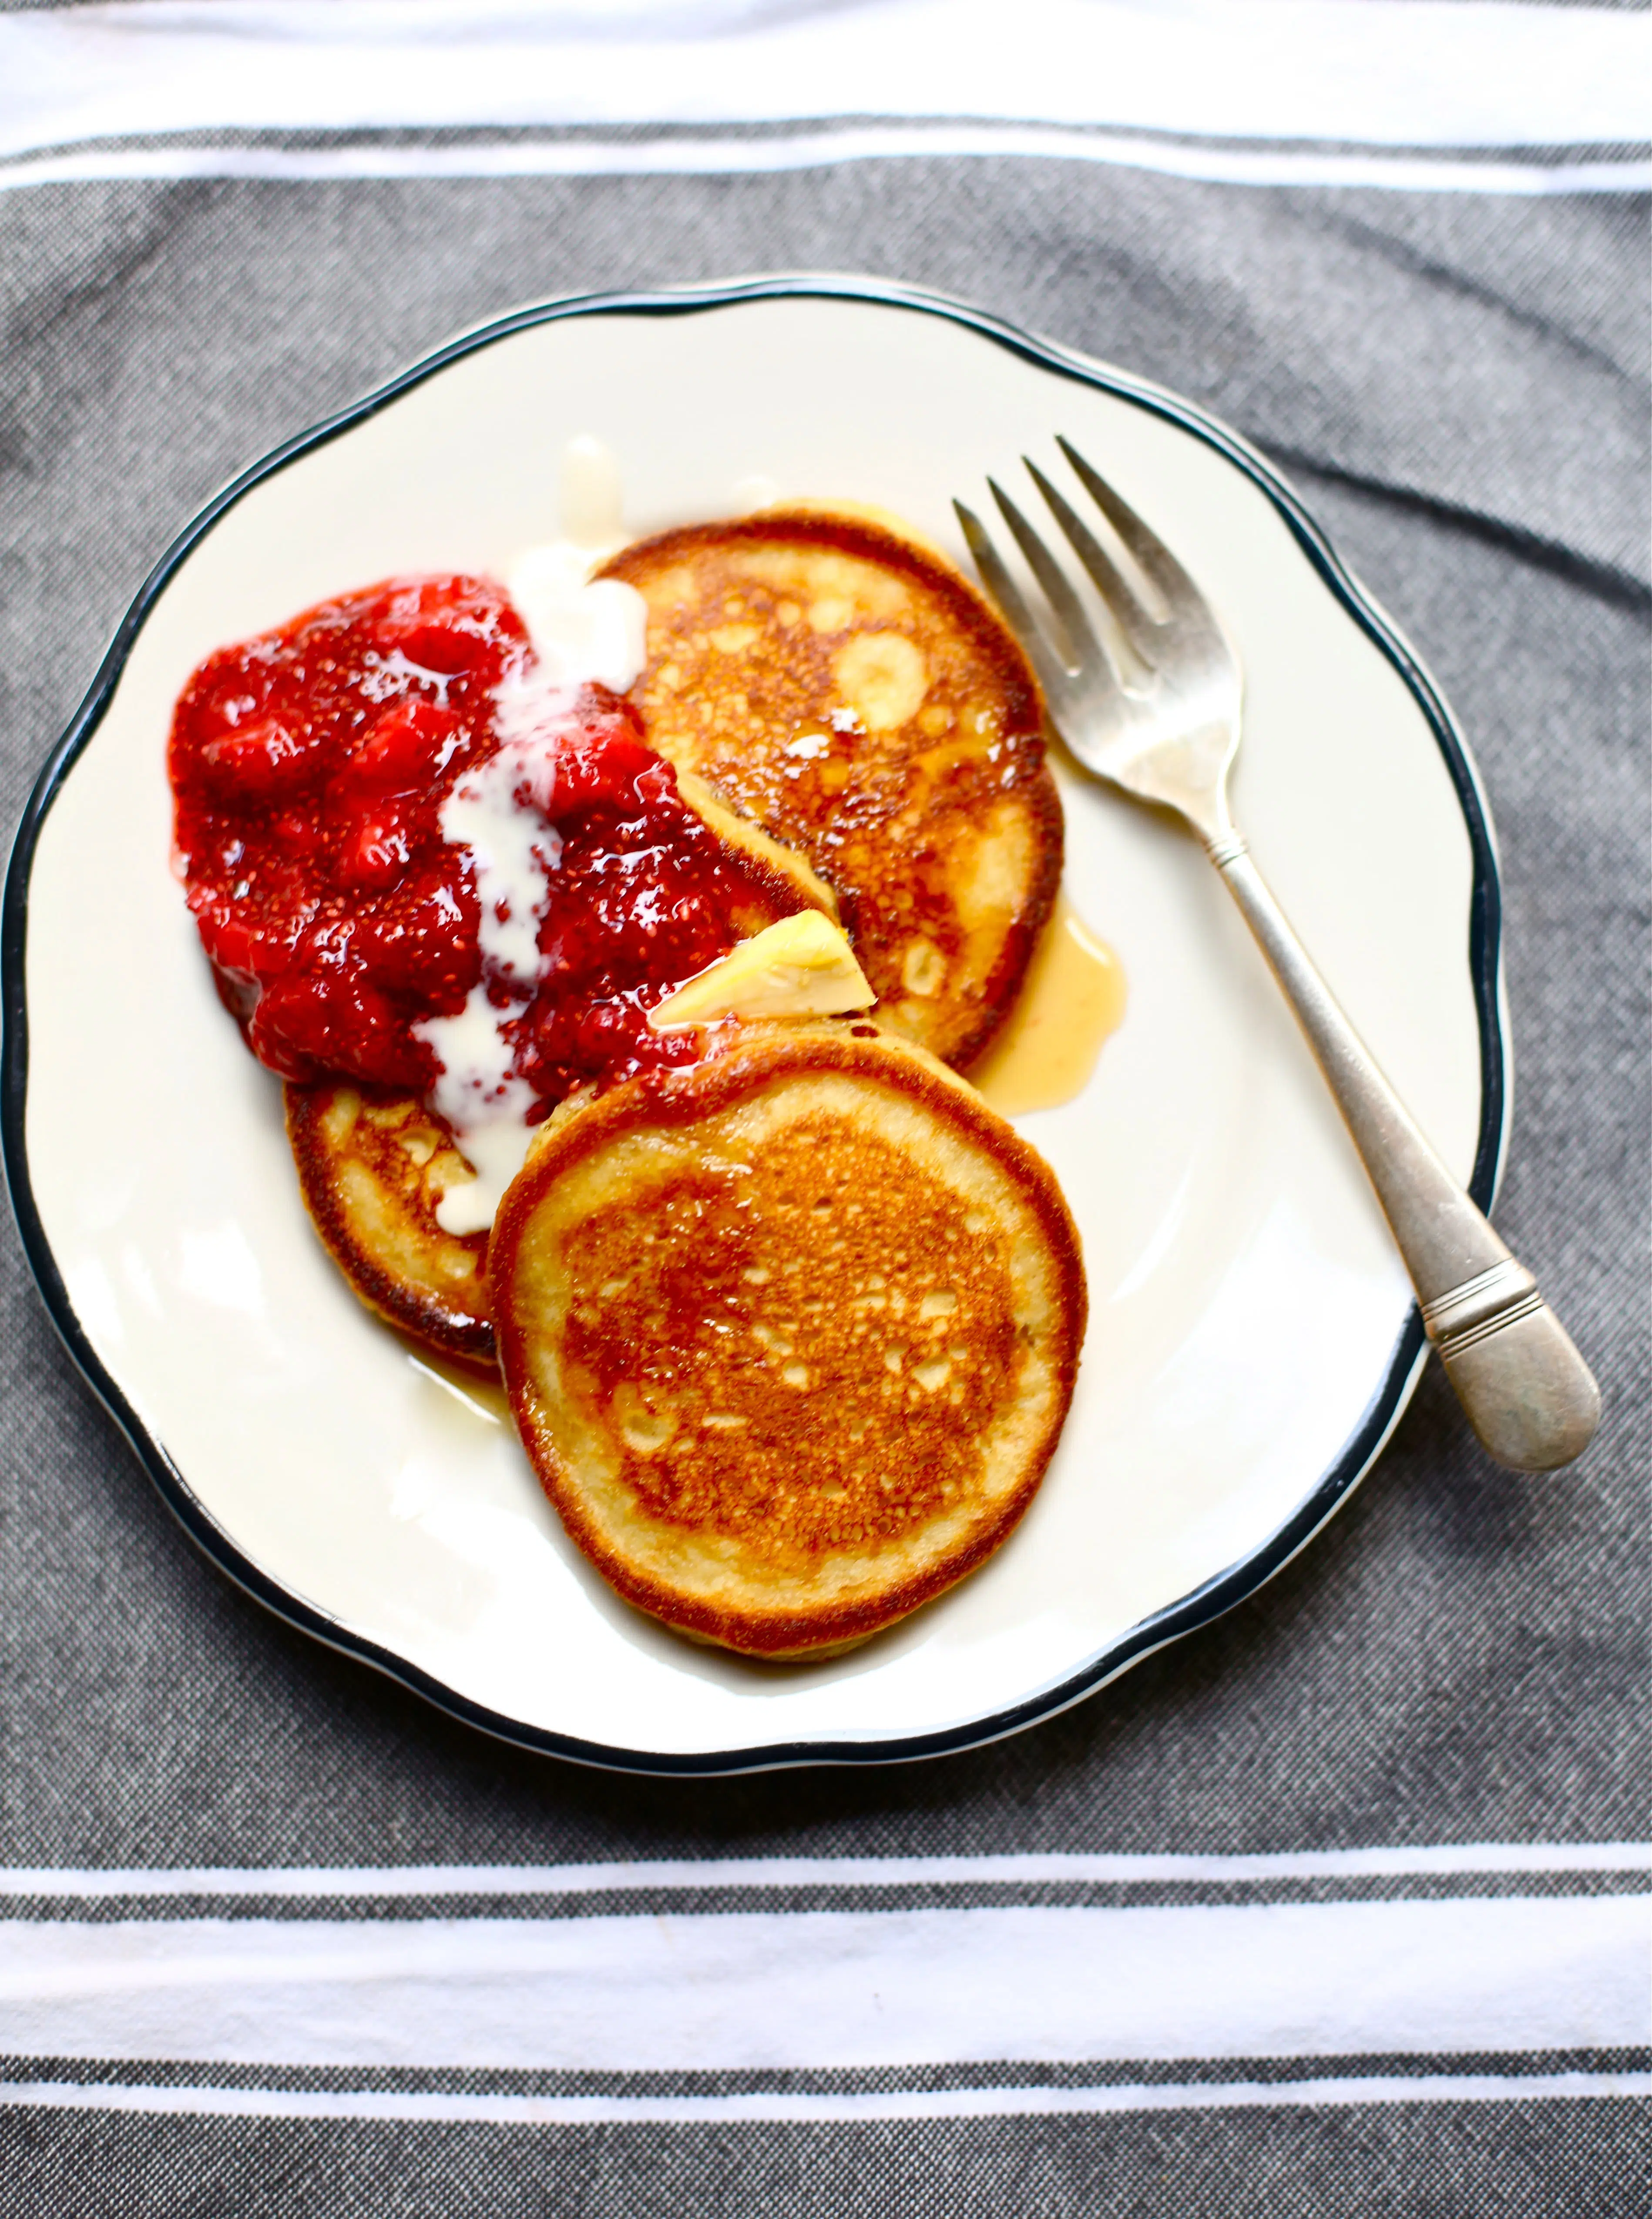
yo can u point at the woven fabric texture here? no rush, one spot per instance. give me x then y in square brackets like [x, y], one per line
[1459, 386]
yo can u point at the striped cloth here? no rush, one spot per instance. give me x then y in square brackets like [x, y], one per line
[833, 1988]
[1340, 1907]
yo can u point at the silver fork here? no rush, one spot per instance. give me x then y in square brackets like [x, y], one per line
[1154, 708]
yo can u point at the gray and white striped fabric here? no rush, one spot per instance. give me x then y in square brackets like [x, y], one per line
[1340, 1907]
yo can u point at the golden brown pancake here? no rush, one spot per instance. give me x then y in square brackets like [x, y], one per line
[789, 1334]
[373, 1164]
[844, 685]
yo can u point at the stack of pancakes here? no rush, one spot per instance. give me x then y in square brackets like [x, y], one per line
[789, 1332]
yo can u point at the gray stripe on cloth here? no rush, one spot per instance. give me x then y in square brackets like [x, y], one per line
[434, 137]
[1459, 1861]
[688, 1901]
[911, 2106]
[886, 2079]
[646, 149]
[1443, 2161]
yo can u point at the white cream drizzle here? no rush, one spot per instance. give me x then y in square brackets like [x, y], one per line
[583, 630]
[580, 631]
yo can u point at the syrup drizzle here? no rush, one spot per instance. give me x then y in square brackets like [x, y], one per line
[1072, 1001]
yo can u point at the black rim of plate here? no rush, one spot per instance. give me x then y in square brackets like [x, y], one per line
[1204, 1603]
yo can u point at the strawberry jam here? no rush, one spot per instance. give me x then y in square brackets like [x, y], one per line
[311, 769]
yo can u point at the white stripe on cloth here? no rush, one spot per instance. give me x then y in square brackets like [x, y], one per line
[1436, 1859]
[812, 150]
[838, 1990]
[848, 2106]
[1429, 73]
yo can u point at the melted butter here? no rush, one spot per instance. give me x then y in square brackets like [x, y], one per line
[1072, 1001]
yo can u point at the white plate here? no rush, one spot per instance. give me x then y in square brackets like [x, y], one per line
[1252, 1335]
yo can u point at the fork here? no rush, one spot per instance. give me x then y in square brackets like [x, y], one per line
[1152, 704]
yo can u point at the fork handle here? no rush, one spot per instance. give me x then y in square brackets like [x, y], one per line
[1527, 1393]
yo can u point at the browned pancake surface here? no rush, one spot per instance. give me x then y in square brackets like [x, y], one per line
[848, 689]
[372, 1166]
[789, 1336]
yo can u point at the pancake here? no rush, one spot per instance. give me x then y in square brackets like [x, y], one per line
[789, 1334]
[373, 1164]
[842, 684]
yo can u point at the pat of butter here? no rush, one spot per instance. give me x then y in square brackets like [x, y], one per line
[801, 967]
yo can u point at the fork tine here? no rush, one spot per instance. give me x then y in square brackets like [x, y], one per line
[1132, 614]
[1155, 558]
[1051, 675]
[1068, 609]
